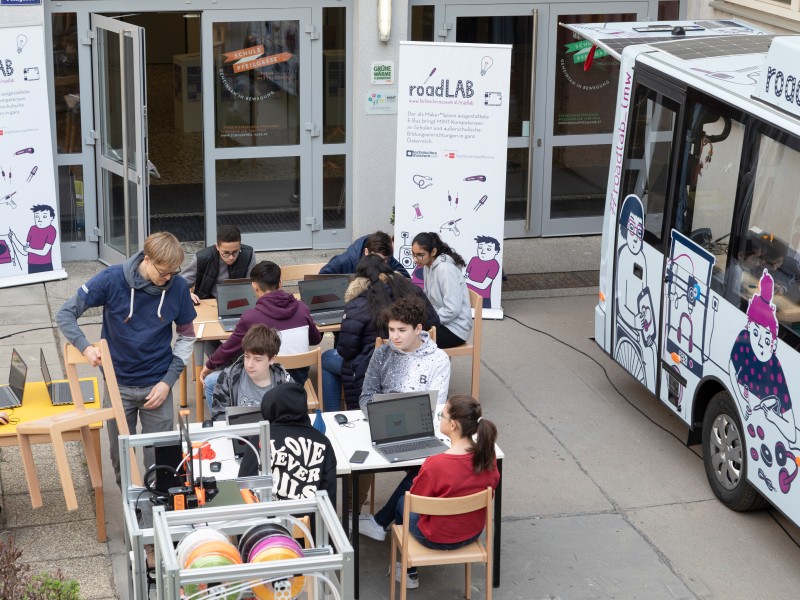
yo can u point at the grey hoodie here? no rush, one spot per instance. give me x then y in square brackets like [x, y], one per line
[391, 370]
[447, 291]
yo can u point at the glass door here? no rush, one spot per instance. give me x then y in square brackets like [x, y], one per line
[581, 102]
[525, 28]
[121, 136]
[259, 128]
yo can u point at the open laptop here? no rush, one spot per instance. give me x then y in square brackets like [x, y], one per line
[242, 415]
[433, 397]
[59, 391]
[312, 276]
[232, 300]
[325, 298]
[11, 394]
[402, 428]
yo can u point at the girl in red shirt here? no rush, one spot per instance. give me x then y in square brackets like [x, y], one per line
[468, 467]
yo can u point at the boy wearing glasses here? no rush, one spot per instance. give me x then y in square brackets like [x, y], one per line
[227, 259]
[141, 299]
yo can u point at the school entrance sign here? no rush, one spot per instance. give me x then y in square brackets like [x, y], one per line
[451, 156]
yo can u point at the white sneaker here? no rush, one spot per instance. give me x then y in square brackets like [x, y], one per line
[412, 579]
[369, 527]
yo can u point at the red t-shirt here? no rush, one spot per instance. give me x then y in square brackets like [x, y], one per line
[39, 238]
[452, 476]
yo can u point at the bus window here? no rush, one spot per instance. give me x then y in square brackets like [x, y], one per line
[771, 240]
[648, 158]
[713, 139]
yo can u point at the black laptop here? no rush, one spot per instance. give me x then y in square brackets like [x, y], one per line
[325, 298]
[59, 391]
[11, 394]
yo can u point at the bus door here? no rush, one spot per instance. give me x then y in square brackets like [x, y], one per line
[639, 246]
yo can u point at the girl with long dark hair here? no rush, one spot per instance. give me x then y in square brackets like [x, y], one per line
[445, 287]
[375, 288]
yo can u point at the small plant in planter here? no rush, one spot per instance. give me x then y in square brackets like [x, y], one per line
[16, 580]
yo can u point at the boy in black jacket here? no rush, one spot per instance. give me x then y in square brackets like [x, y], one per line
[302, 458]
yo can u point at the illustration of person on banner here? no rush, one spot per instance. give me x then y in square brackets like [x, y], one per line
[41, 237]
[484, 268]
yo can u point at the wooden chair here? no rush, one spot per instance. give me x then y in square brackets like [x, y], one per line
[473, 349]
[312, 358]
[297, 272]
[414, 554]
[81, 418]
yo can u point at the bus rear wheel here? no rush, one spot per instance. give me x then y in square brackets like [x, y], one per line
[725, 458]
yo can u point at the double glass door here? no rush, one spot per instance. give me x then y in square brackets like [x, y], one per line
[560, 113]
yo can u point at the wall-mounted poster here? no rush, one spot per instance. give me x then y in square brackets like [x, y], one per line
[452, 128]
[30, 243]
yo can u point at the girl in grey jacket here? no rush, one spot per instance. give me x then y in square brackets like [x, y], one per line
[445, 287]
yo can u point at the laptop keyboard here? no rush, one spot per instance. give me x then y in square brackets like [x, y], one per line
[8, 399]
[328, 315]
[412, 446]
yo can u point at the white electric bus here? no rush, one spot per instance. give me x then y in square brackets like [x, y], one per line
[700, 274]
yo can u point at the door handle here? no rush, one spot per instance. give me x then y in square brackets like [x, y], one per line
[152, 170]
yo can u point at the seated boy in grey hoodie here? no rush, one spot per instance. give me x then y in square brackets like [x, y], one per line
[411, 361]
[246, 381]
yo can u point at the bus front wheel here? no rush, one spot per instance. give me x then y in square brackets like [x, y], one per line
[725, 458]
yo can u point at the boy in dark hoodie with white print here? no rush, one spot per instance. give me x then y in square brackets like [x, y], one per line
[246, 381]
[141, 299]
[302, 458]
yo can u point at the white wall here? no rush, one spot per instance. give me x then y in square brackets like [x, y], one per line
[11, 16]
[374, 136]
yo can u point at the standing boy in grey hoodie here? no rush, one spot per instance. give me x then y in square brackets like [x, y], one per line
[411, 361]
[141, 299]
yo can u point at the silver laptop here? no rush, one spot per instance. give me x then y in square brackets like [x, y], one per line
[232, 300]
[59, 391]
[325, 298]
[402, 428]
[11, 394]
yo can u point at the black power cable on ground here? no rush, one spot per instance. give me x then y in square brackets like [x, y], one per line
[639, 410]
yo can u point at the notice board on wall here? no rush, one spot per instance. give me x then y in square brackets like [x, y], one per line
[452, 141]
[30, 242]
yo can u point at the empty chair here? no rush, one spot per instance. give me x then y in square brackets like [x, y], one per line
[55, 426]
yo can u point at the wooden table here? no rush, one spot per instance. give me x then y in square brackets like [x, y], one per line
[36, 405]
[206, 329]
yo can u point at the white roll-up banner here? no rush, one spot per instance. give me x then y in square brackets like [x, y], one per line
[30, 243]
[452, 140]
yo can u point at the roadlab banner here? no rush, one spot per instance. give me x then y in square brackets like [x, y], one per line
[452, 126]
[30, 244]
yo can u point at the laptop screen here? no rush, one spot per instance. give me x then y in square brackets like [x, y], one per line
[400, 419]
[234, 298]
[17, 375]
[242, 415]
[45, 371]
[324, 294]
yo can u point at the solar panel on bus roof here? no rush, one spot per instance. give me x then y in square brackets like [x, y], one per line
[708, 47]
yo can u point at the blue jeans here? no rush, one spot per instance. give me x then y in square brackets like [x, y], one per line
[393, 510]
[331, 380]
[209, 383]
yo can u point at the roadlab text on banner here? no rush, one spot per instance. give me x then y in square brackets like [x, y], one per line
[451, 156]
